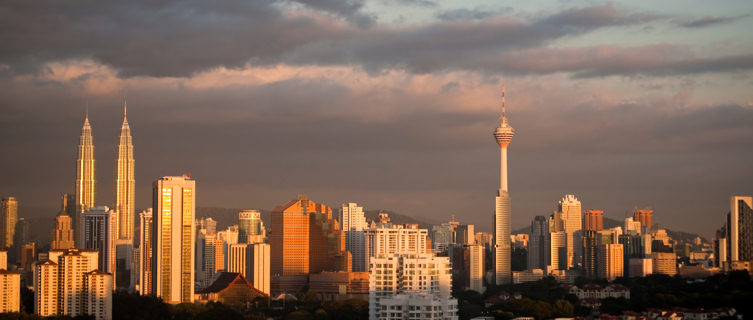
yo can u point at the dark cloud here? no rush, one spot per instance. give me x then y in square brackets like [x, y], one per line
[710, 21]
[168, 39]
[414, 3]
[349, 9]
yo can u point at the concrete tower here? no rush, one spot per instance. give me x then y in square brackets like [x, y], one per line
[503, 134]
[85, 177]
[124, 182]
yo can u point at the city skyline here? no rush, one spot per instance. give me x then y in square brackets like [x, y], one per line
[635, 122]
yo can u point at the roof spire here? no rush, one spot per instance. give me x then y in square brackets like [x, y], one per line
[504, 108]
[125, 108]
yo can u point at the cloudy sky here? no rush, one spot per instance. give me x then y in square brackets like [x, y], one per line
[388, 103]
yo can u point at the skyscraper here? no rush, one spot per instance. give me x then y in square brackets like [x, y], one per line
[593, 220]
[145, 252]
[646, 218]
[740, 230]
[86, 187]
[8, 219]
[503, 135]
[538, 245]
[174, 204]
[250, 227]
[570, 211]
[99, 233]
[124, 182]
[354, 223]
[62, 234]
[257, 266]
[610, 261]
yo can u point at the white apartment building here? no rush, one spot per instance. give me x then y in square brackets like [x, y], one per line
[410, 275]
[392, 239]
[258, 266]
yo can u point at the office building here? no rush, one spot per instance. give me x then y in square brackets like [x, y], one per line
[632, 227]
[354, 224]
[476, 266]
[257, 266]
[145, 252]
[569, 210]
[593, 220]
[8, 219]
[538, 244]
[610, 261]
[664, 263]
[250, 227]
[739, 231]
[558, 250]
[306, 239]
[441, 237]
[502, 251]
[10, 291]
[174, 205]
[3, 259]
[591, 241]
[640, 267]
[62, 234]
[465, 234]
[100, 225]
[86, 185]
[28, 254]
[235, 258]
[125, 185]
[529, 275]
[340, 285]
[414, 275]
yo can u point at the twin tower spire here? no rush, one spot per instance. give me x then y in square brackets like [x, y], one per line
[124, 179]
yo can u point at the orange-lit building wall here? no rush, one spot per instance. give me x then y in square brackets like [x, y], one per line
[593, 220]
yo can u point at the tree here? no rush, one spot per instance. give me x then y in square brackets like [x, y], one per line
[563, 308]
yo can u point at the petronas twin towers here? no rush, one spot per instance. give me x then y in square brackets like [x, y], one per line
[124, 180]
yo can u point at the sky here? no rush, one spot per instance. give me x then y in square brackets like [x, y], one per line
[388, 103]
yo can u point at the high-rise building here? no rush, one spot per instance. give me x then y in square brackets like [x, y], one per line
[86, 185]
[146, 253]
[739, 230]
[73, 286]
[632, 226]
[250, 227]
[465, 234]
[257, 266]
[593, 220]
[558, 250]
[125, 185]
[664, 263]
[393, 238]
[174, 205]
[354, 224]
[441, 237]
[416, 275]
[591, 241]
[645, 217]
[8, 219]
[46, 289]
[209, 256]
[235, 258]
[538, 244]
[99, 233]
[502, 251]
[610, 261]
[98, 289]
[10, 291]
[62, 234]
[305, 239]
[28, 253]
[20, 238]
[569, 208]
[720, 248]
[3, 259]
[476, 266]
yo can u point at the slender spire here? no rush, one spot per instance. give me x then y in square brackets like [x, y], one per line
[503, 119]
[125, 108]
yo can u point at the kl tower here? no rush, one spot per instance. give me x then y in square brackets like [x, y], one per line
[502, 272]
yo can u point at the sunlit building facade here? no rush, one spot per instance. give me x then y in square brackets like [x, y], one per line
[86, 185]
[502, 247]
[174, 205]
[353, 224]
[125, 185]
[8, 219]
[99, 233]
[10, 291]
[145, 252]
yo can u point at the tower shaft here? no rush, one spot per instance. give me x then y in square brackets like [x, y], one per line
[85, 177]
[125, 183]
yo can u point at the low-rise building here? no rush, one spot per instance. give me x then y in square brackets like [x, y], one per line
[229, 288]
[340, 285]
